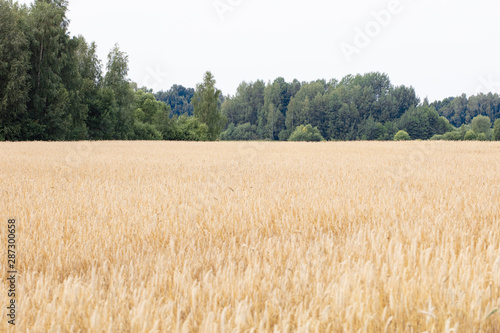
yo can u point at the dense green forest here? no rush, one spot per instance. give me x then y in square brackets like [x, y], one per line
[54, 87]
[361, 107]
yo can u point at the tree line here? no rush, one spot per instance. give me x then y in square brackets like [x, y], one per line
[54, 87]
[358, 107]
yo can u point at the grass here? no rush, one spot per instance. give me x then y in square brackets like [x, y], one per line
[223, 237]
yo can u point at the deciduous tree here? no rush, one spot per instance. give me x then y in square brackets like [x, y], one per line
[206, 106]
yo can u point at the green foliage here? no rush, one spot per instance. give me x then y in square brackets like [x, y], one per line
[276, 100]
[496, 130]
[423, 122]
[461, 110]
[14, 66]
[49, 99]
[470, 135]
[482, 137]
[191, 129]
[402, 136]
[179, 99]
[144, 131]
[481, 124]
[165, 125]
[73, 76]
[436, 137]
[101, 105]
[151, 121]
[284, 135]
[306, 133]
[246, 104]
[453, 136]
[371, 130]
[243, 132]
[122, 119]
[52, 86]
[206, 106]
[390, 129]
[147, 107]
[357, 107]
[462, 130]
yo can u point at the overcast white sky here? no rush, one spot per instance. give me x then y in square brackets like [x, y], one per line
[442, 48]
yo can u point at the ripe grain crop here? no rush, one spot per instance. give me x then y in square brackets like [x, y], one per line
[224, 237]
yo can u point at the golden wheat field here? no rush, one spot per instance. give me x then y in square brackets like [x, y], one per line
[253, 237]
